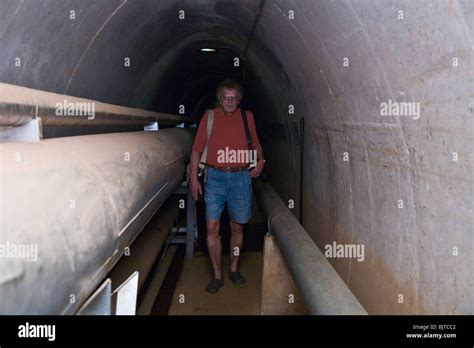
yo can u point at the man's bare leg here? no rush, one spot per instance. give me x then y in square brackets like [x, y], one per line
[214, 246]
[236, 241]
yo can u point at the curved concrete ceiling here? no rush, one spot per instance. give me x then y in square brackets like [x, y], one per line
[390, 183]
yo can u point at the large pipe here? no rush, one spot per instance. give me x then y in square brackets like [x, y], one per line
[19, 105]
[322, 289]
[80, 201]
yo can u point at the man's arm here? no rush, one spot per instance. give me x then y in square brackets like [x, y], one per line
[198, 148]
[255, 172]
[193, 167]
[255, 144]
[260, 155]
[194, 164]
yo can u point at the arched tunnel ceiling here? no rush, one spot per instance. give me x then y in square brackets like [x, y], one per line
[85, 56]
[335, 62]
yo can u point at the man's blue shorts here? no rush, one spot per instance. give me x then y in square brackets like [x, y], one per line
[233, 188]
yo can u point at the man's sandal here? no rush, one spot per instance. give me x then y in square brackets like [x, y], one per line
[215, 285]
[236, 278]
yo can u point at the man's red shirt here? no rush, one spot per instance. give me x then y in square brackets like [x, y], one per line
[227, 131]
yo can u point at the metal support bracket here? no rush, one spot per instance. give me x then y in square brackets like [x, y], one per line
[126, 303]
[99, 303]
[151, 127]
[191, 223]
[30, 131]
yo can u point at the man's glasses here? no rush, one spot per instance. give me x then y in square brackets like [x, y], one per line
[231, 98]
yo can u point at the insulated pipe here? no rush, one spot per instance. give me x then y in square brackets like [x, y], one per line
[19, 105]
[79, 202]
[323, 291]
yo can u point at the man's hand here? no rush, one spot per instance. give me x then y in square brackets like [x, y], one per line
[196, 188]
[255, 172]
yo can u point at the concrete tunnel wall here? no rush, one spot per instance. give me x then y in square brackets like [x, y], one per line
[404, 51]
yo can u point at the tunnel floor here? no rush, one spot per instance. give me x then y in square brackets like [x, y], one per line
[190, 277]
[230, 299]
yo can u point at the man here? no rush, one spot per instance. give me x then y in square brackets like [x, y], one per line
[228, 177]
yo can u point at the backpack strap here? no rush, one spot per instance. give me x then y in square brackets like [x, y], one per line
[247, 136]
[246, 126]
[210, 122]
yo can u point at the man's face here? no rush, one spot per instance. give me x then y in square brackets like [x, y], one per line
[229, 100]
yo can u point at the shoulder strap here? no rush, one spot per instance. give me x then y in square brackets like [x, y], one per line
[210, 122]
[246, 126]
